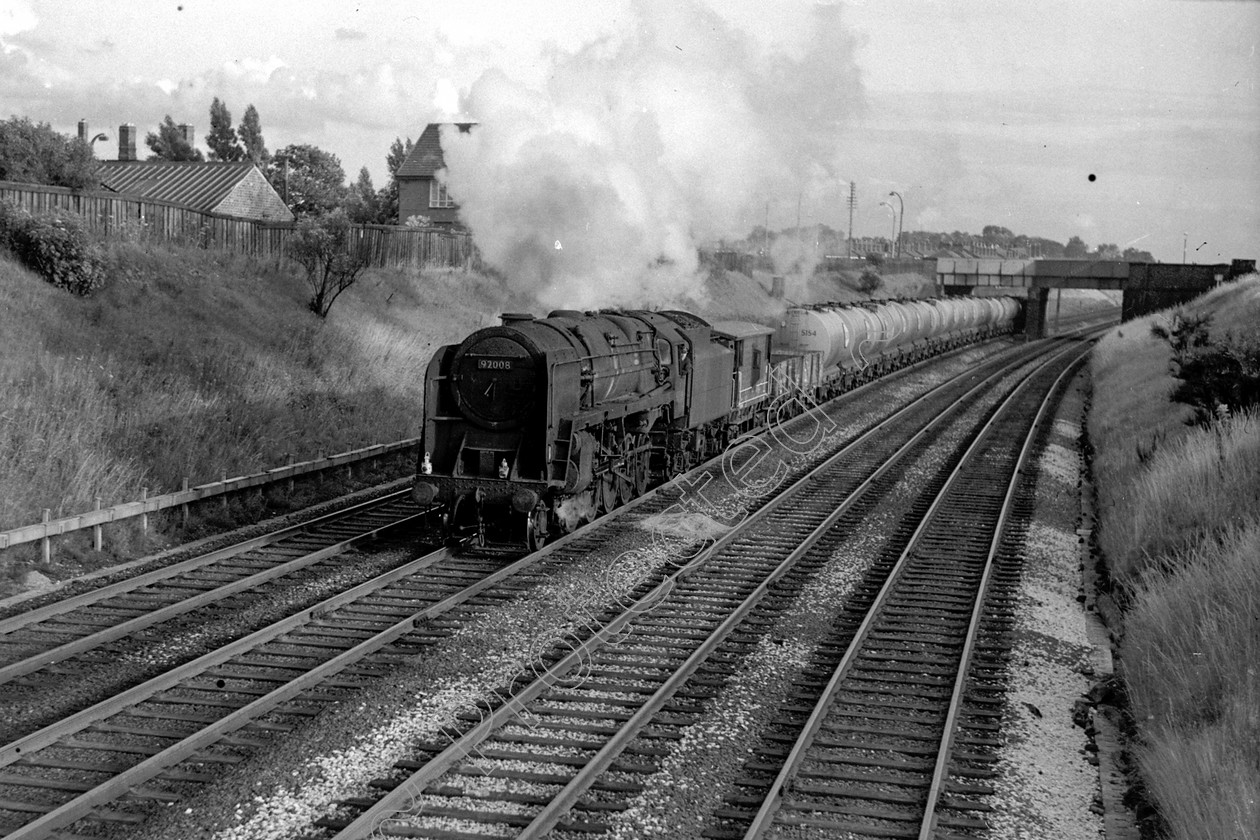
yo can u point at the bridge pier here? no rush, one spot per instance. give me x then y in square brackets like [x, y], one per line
[1035, 313]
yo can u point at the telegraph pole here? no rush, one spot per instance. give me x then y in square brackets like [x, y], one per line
[852, 204]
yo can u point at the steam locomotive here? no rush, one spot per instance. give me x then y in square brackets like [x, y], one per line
[536, 426]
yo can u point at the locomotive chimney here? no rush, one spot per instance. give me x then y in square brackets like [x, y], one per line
[510, 318]
[776, 286]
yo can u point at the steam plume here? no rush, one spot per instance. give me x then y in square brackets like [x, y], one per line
[596, 189]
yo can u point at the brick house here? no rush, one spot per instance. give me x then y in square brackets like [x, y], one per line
[419, 191]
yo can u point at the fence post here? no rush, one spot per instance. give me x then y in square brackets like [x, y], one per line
[185, 504]
[144, 517]
[97, 541]
[46, 543]
[223, 496]
[289, 460]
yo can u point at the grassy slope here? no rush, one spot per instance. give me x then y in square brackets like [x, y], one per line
[1180, 527]
[199, 364]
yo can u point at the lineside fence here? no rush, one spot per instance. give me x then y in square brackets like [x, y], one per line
[45, 531]
[115, 215]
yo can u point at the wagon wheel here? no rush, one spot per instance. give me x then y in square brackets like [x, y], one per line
[608, 492]
[452, 521]
[641, 468]
[466, 516]
[536, 533]
[626, 476]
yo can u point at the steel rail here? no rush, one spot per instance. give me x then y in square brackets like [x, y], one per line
[396, 800]
[23, 619]
[148, 619]
[49, 735]
[973, 628]
[111, 789]
[765, 815]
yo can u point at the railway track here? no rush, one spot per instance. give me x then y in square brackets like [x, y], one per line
[61, 657]
[31, 641]
[209, 711]
[900, 741]
[574, 742]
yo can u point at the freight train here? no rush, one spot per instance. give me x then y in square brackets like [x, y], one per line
[535, 426]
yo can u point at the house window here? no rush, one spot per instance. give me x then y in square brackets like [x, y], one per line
[438, 196]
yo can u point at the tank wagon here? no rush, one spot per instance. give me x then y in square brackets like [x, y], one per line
[857, 342]
[538, 425]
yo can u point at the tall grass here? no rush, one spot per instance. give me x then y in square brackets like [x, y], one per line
[1180, 530]
[1191, 655]
[1189, 493]
[198, 364]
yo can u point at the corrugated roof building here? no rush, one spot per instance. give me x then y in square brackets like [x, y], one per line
[419, 191]
[235, 189]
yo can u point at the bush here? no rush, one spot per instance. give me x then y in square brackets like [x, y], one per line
[58, 247]
[331, 256]
[1217, 377]
[869, 282]
[10, 215]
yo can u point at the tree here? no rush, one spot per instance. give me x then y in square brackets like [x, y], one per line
[1075, 248]
[252, 139]
[1134, 255]
[33, 153]
[310, 179]
[387, 198]
[222, 137]
[169, 143]
[996, 233]
[332, 256]
[363, 203]
[1107, 252]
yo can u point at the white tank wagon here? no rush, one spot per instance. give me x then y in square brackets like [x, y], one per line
[857, 342]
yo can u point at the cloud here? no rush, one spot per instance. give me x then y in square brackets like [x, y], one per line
[253, 70]
[15, 17]
[344, 34]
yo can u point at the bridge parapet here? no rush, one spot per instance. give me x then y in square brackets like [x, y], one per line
[1033, 274]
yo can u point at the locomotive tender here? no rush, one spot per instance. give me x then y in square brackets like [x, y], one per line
[545, 423]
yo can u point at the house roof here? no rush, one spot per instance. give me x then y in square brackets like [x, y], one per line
[200, 185]
[425, 158]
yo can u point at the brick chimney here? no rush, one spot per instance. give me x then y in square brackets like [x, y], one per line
[127, 142]
[190, 136]
[83, 131]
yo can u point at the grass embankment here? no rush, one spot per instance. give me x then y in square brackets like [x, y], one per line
[1180, 529]
[200, 364]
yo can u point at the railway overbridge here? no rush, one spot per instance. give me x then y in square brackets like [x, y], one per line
[1146, 286]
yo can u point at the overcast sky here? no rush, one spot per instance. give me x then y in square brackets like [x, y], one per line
[1118, 121]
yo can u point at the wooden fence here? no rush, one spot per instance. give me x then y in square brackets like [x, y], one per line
[115, 215]
[43, 532]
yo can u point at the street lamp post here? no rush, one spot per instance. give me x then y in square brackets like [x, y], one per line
[901, 215]
[1185, 237]
[893, 244]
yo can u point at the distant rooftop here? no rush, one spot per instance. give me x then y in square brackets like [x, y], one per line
[200, 185]
[425, 158]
